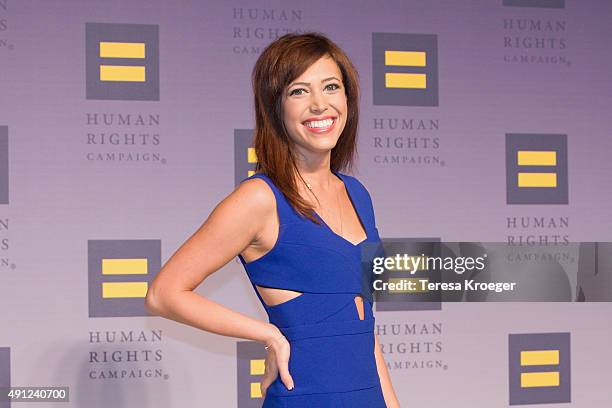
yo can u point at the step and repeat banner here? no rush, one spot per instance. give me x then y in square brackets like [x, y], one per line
[123, 123]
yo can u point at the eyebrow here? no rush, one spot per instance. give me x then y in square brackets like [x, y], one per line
[308, 84]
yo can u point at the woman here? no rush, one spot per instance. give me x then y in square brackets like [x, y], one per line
[299, 227]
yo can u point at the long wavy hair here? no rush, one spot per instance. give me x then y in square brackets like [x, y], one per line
[280, 63]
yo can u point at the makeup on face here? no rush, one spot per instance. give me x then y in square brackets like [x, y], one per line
[314, 106]
[321, 124]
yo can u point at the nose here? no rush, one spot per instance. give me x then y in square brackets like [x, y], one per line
[318, 103]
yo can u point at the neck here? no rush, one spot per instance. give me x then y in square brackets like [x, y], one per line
[316, 171]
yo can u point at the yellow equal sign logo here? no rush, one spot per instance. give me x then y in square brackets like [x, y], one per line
[256, 367]
[136, 289]
[405, 59]
[251, 158]
[122, 73]
[537, 158]
[540, 358]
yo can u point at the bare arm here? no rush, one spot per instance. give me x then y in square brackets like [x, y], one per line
[232, 225]
[385, 379]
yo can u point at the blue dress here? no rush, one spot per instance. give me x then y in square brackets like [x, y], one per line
[332, 358]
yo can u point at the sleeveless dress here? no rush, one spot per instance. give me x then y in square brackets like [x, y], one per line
[332, 358]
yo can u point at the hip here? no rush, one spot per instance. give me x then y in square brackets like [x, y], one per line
[329, 357]
[371, 397]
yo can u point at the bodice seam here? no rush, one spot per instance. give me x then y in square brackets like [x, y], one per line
[304, 245]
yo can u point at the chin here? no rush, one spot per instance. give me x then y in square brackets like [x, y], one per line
[323, 147]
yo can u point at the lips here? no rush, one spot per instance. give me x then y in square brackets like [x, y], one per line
[321, 130]
[314, 119]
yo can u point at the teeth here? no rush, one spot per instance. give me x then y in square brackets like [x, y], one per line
[320, 123]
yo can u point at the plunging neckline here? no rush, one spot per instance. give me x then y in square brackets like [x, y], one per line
[352, 202]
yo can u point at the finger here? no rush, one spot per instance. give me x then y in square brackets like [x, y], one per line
[265, 383]
[283, 370]
[271, 368]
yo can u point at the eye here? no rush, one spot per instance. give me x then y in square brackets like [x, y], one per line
[296, 89]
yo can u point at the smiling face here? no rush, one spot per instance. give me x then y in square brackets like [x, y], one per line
[315, 107]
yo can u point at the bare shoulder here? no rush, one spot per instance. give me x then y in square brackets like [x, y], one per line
[244, 211]
[235, 223]
[258, 213]
[252, 205]
[256, 195]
